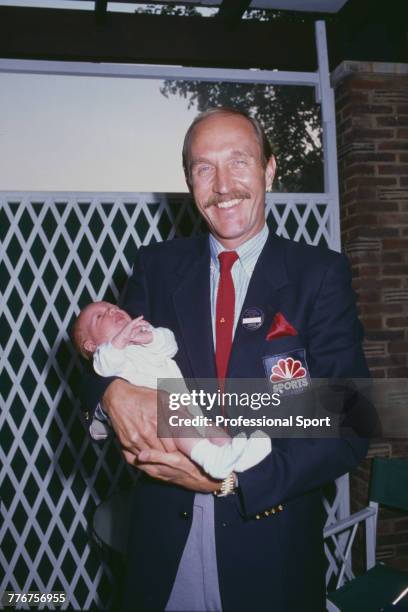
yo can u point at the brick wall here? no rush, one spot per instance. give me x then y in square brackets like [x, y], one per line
[372, 132]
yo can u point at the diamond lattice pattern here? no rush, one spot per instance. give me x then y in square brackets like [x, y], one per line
[59, 252]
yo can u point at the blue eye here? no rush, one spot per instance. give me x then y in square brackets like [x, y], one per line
[204, 170]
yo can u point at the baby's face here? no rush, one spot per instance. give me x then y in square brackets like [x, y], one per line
[101, 322]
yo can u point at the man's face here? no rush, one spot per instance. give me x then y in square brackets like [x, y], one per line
[228, 179]
[101, 322]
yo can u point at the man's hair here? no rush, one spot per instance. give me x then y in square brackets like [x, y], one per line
[78, 337]
[265, 145]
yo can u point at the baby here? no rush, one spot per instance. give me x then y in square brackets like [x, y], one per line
[136, 351]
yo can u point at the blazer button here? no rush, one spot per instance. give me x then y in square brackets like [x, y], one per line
[266, 513]
[258, 516]
[224, 524]
[273, 510]
[184, 515]
[280, 507]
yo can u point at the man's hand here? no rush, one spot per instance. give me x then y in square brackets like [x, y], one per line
[176, 468]
[133, 413]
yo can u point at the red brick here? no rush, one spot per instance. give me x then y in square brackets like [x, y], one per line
[371, 134]
[381, 231]
[399, 360]
[393, 169]
[372, 322]
[387, 82]
[382, 308]
[354, 233]
[392, 120]
[375, 206]
[375, 361]
[385, 527]
[345, 124]
[391, 257]
[388, 539]
[375, 373]
[401, 562]
[347, 96]
[400, 448]
[398, 347]
[363, 83]
[363, 121]
[382, 335]
[375, 283]
[360, 156]
[401, 524]
[378, 109]
[397, 218]
[364, 214]
[361, 220]
[364, 257]
[394, 270]
[366, 184]
[364, 193]
[366, 296]
[391, 145]
[395, 243]
[346, 110]
[398, 372]
[397, 322]
[348, 197]
[365, 270]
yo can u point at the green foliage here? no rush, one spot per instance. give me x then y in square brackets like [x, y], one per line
[289, 115]
[169, 9]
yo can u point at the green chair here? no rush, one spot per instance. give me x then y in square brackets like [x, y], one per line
[380, 586]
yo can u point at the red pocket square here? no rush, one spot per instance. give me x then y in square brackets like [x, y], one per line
[280, 328]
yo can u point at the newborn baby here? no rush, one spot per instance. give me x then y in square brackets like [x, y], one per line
[134, 350]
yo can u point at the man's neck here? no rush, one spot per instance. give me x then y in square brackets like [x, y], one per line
[226, 245]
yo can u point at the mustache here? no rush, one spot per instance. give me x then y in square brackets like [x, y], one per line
[233, 195]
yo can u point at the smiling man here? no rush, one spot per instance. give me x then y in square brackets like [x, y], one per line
[228, 170]
[257, 543]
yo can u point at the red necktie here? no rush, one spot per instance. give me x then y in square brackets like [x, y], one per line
[224, 314]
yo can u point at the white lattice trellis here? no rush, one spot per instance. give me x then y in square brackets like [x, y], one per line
[58, 252]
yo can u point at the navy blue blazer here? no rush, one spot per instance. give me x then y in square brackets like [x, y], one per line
[266, 561]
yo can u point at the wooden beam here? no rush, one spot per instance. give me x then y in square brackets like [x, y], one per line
[372, 31]
[100, 10]
[232, 10]
[48, 34]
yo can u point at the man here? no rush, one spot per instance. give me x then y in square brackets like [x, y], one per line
[260, 546]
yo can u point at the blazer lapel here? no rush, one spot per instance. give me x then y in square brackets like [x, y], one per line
[193, 309]
[268, 277]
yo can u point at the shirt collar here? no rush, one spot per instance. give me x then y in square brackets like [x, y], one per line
[248, 252]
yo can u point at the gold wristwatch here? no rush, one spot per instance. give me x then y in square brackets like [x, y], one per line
[228, 486]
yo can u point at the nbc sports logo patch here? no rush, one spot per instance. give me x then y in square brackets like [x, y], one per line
[288, 373]
[286, 369]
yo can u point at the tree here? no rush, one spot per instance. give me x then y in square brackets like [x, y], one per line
[288, 114]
